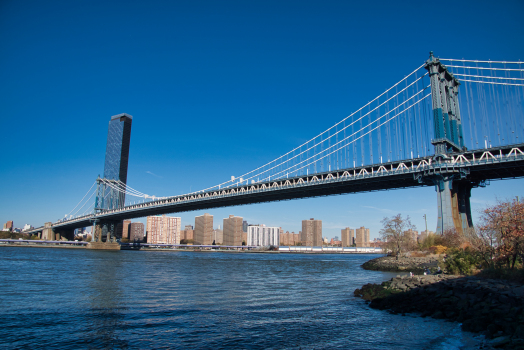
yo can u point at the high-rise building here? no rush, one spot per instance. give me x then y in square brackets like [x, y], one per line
[136, 232]
[8, 226]
[311, 234]
[233, 230]
[348, 237]
[125, 228]
[188, 233]
[163, 230]
[117, 156]
[262, 236]
[244, 226]
[362, 237]
[203, 229]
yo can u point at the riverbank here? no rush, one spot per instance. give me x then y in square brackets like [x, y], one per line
[416, 265]
[492, 307]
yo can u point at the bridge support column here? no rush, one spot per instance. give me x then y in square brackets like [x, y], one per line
[454, 210]
[47, 232]
[107, 231]
[65, 235]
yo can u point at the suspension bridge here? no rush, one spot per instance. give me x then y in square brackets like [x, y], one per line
[419, 132]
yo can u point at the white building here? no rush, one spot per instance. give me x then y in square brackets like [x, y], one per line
[28, 227]
[263, 236]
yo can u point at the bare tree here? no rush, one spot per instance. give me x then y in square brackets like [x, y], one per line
[395, 233]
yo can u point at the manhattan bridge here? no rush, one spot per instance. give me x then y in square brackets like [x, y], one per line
[454, 124]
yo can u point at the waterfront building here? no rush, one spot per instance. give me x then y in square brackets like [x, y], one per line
[187, 233]
[335, 242]
[233, 230]
[163, 229]
[288, 238]
[136, 232]
[311, 234]
[244, 226]
[125, 229]
[362, 237]
[262, 236]
[203, 229]
[27, 227]
[116, 161]
[348, 237]
[8, 226]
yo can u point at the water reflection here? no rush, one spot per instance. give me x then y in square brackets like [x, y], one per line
[105, 317]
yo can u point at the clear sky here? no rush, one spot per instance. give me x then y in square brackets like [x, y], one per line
[217, 88]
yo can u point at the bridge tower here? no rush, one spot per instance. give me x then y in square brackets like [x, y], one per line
[453, 189]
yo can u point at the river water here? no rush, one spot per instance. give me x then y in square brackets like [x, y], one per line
[84, 299]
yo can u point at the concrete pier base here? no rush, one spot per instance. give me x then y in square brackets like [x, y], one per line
[103, 245]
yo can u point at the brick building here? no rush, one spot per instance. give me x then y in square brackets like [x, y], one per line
[163, 230]
[348, 237]
[362, 237]
[233, 230]
[136, 232]
[311, 234]
[203, 229]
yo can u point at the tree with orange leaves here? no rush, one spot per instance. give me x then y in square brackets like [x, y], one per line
[505, 223]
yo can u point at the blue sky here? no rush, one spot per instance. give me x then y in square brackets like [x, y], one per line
[217, 89]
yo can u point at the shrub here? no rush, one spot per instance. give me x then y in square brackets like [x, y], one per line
[461, 262]
[438, 249]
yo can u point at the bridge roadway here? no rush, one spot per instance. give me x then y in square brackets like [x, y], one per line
[479, 165]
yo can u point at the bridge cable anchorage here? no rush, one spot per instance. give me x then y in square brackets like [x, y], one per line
[94, 183]
[319, 135]
[353, 134]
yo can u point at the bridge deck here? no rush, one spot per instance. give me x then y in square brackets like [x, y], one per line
[487, 164]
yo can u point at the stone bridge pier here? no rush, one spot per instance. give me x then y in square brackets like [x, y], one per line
[105, 234]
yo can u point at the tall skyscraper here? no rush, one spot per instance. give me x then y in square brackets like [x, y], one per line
[163, 229]
[348, 237]
[311, 234]
[117, 157]
[203, 229]
[233, 230]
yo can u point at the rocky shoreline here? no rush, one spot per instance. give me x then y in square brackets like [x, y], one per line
[492, 307]
[405, 264]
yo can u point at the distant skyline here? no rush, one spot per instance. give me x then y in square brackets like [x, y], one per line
[216, 89]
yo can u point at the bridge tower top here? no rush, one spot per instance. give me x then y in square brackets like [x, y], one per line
[446, 113]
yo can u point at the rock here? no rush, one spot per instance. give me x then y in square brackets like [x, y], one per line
[500, 341]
